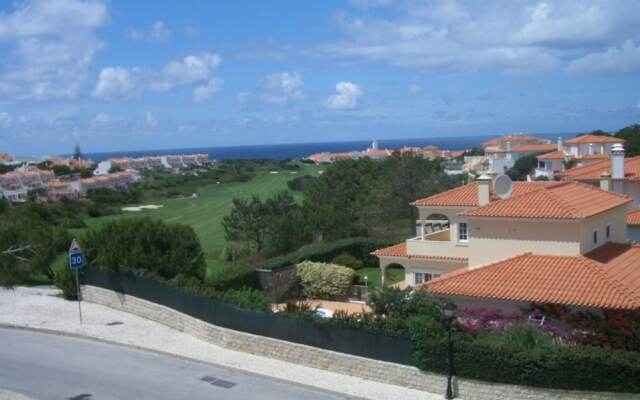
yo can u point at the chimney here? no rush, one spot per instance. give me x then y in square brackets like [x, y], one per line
[617, 161]
[605, 181]
[559, 143]
[492, 176]
[484, 189]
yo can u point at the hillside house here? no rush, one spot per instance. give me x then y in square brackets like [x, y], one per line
[546, 242]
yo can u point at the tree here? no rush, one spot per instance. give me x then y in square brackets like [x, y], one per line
[77, 154]
[247, 223]
[274, 226]
[597, 132]
[631, 135]
[29, 242]
[147, 247]
[524, 166]
[115, 168]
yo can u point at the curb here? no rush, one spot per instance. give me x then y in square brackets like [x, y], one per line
[162, 353]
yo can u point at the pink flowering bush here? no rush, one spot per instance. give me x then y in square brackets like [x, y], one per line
[476, 320]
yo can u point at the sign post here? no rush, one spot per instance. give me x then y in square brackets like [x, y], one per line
[76, 261]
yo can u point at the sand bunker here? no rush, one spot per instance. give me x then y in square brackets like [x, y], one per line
[140, 208]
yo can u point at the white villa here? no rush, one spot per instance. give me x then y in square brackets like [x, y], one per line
[585, 150]
[500, 154]
[493, 244]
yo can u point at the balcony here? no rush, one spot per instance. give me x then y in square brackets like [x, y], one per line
[439, 236]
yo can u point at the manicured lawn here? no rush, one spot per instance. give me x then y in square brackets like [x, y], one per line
[205, 212]
[373, 273]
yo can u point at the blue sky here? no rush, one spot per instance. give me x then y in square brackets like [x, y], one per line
[118, 75]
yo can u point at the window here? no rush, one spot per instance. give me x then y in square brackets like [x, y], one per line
[608, 232]
[595, 237]
[422, 277]
[463, 232]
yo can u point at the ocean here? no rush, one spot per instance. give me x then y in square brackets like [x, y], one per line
[300, 150]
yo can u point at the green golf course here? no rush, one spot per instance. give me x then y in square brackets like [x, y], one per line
[213, 202]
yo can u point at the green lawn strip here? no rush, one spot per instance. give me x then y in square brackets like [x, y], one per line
[373, 273]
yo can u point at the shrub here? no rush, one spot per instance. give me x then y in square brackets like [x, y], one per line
[324, 281]
[561, 367]
[392, 301]
[359, 247]
[300, 182]
[519, 337]
[347, 260]
[233, 277]
[64, 278]
[247, 298]
[145, 246]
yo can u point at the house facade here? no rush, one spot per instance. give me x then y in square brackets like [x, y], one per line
[580, 150]
[471, 231]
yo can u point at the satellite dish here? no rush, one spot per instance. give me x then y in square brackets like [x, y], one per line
[503, 186]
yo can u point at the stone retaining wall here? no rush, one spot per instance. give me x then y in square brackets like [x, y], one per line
[379, 371]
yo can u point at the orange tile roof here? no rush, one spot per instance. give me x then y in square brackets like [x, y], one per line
[532, 148]
[585, 139]
[467, 195]
[633, 217]
[400, 250]
[567, 200]
[513, 138]
[592, 171]
[594, 280]
[597, 156]
[554, 155]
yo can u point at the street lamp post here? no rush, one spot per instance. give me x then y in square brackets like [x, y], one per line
[449, 314]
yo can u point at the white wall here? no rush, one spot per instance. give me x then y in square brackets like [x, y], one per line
[618, 220]
[492, 239]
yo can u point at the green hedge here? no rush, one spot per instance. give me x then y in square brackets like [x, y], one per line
[234, 277]
[359, 247]
[562, 367]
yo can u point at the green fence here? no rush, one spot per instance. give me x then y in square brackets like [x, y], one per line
[343, 340]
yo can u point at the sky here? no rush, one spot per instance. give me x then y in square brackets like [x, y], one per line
[119, 75]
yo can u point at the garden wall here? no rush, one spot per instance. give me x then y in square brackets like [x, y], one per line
[361, 367]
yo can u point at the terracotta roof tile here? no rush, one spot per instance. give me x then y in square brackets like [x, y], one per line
[568, 280]
[532, 148]
[592, 171]
[567, 200]
[400, 250]
[585, 139]
[554, 155]
[598, 156]
[467, 195]
[513, 138]
[633, 217]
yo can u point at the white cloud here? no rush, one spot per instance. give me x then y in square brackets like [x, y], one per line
[506, 35]
[281, 88]
[157, 32]
[205, 92]
[150, 120]
[52, 43]
[191, 69]
[105, 120]
[625, 58]
[346, 97]
[414, 89]
[5, 119]
[114, 83]
[117, 82]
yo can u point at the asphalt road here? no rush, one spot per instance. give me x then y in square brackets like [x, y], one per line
[46, 366]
